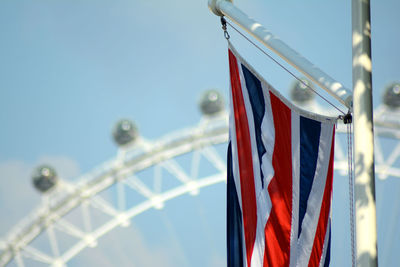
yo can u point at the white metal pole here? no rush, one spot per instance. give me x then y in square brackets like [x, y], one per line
[366, 234]
[337, 90]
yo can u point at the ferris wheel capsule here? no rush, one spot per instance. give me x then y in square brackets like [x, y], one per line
[391, 96]
[44, 178]
[301, 92]
[211, 102]
[125, 132]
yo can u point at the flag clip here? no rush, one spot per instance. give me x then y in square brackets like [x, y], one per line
[226, 34]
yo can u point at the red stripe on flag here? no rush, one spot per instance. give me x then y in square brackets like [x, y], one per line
[249, 205]
[320, 234]
[277, 229]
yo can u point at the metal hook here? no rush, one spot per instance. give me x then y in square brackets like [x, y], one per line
[226, 34]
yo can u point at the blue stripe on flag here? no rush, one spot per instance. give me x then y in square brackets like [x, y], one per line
[234, 219]
[256, 96]
[328, 249]
[310, 131]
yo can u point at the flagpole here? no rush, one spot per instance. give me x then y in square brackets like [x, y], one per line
[365, 213]
[336, 89]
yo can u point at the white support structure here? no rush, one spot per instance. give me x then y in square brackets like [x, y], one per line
[334, 88]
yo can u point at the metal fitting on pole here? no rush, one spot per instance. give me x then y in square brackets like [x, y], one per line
[213, 5]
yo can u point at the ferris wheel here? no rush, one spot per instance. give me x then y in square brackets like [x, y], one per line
[147, 174]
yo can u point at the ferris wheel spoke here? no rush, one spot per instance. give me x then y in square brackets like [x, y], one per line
[103, 205]
[134, 182]
[87, 222]
[195, 165]
[392, 172]
[78, 247]
[53, 241]
[387, 169]
[379, 156]
[121, 197]
[35, 254]
[18, 259]
[213, 157]
[68, 228]
[175, 169]
[157, 183]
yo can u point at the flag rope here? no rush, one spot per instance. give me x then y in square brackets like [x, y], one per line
[226, 34]
[348, 121]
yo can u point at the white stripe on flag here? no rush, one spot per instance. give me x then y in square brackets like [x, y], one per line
[268, 139]
[258, 252]
[295, 186]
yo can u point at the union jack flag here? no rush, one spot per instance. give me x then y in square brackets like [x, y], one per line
[280, 172]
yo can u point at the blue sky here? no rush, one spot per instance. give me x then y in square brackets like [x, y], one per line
[70, 69]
